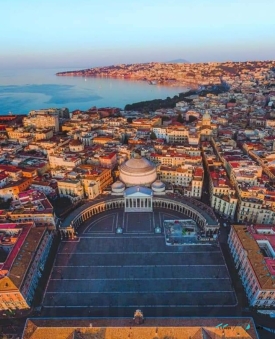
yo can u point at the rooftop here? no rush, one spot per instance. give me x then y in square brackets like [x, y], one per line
[24, 230]
[107, 328]
[248, 236]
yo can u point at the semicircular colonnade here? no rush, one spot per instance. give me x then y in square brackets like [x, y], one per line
[199, 212]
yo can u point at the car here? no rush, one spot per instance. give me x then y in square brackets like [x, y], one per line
[224, 224]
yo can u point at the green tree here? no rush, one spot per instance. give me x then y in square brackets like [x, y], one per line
[180, 118]
[153, 136]
[125, 139]
[192, 118]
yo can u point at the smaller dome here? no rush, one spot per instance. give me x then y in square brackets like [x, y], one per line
[118, 187]
[75, 142]
[158, 186]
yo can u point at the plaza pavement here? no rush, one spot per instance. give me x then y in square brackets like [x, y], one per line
[102, 273]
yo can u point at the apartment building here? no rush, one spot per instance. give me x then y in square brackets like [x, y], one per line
[33, 205]
[23, 267]
[253, 251]
[223, 196]
[12, 189]
[60, 160]
[95, 179]
[186, 178]
[42, 120]
[71, 188]
[177, 134]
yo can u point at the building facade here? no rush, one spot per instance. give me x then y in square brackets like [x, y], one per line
[21, 272]
[253, 251]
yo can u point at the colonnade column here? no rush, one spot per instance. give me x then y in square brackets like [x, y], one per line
[138, 203]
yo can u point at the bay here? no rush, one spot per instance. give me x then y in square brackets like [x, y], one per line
[22, 90]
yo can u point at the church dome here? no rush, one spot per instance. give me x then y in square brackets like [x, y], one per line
[158, 186]
[75, 142]
[76, 146]
[118, 187]
[138, 171]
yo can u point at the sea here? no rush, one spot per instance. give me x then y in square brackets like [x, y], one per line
[23, 90]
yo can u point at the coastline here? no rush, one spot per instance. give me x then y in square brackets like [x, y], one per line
[23, 91]
[152, 82]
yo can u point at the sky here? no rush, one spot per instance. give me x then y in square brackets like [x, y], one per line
[90, 33]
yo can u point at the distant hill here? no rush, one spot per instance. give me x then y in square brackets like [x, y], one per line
[178, 61]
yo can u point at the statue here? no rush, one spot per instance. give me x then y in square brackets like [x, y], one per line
[138, 317]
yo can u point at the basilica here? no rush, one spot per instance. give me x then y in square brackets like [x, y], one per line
[138, 183]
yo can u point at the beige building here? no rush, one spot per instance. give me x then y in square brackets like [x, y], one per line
[71, 188]
[42, 120]
[177, 134]
[255, 211]
[97, 177]
[33, 206]
[18, 133]
[180, 176]
[43, 134]
[223, 196]
[21, 272]
[186, 178]
[253, 251]
[174, 159]
[67, 161]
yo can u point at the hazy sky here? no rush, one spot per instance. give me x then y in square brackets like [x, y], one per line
[87, 33]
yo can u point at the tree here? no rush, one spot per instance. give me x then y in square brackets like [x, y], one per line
[153, 136]
[165, 118]
[180, 118]
[192, 118]
[125, 139]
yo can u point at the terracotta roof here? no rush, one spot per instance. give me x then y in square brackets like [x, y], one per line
[257, 260]
[184, 328]
[75, 142]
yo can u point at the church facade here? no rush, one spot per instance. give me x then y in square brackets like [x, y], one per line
[138, 199]
[138, 183]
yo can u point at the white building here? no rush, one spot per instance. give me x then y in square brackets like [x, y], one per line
[67, 161]
[223, 196]
[138, 199]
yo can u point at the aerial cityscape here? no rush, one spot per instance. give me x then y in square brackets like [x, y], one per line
[150, 219]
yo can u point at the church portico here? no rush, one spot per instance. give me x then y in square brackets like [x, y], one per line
[138, 199]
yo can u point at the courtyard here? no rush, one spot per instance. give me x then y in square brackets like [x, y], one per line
[102, 273]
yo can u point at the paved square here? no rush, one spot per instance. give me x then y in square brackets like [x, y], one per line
[139, 222]
[136, 269]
